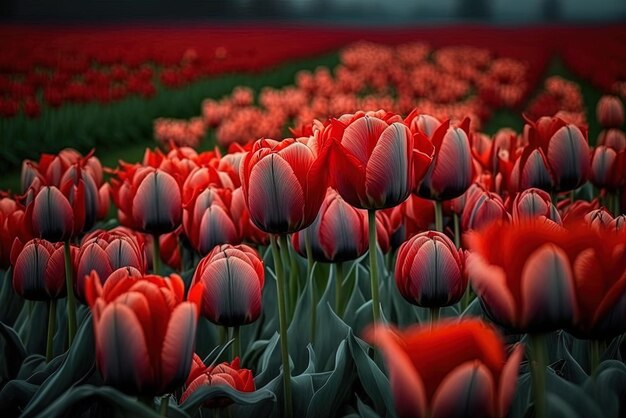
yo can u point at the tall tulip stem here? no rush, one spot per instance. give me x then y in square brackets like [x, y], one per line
[438, 216]
[294, 280]
[164, 402]
[282, 319]
[236, 342]
[309, 275]
[594, 354]
[457, 230]
[339, 288]
[434, 315]
[371, 216]
[539, 361]
[71, 302]
[52, 322]
[156, 255]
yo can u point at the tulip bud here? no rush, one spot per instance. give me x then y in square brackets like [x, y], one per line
[610, 112]
[481, 209]
[534, 203]
[430, 270]
[232, 278]
[608, 168]
[51, 215]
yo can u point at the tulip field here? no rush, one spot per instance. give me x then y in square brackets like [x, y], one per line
[318, 223]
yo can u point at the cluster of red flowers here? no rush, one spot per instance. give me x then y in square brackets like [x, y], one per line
[561, 98]
[436, 190]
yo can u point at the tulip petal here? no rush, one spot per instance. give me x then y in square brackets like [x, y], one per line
[276, 200]
[489, 283]
[387, 180]
[121, 349]
[535, 172]
[452, 172]
[508, 380]
[361, 136]
[408, 389]
[547, 287]
[216, 228]
[178, 346]
[52, 216]
[157, 206]
[568, 154]
[467, 391]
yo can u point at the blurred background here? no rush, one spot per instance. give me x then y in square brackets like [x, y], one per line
[375, 12]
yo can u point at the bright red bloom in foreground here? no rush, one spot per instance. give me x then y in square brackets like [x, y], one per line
[457, 369]
[523, 275]
[283, 184]
[231, 279]
[144, 330]
[225, 374]
[430, 270]
[377, 159]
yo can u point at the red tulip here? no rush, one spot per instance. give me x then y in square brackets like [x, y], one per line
[453, 370]
[207, 219]
[106, 251]
[430, 270]
[144, 330]
[599, 219]
[526, 281]
[248, 230]
[534, 203]
[225, 374]
[377, 160]
[610, 112]
[450, 173]
[51, 215]
[618, 223]
[283, 184]
[555, 159]
[11, 227]
[39, 270]
[339, 233]
[148, 200]
[612, 138]
[608, 168]
[232, 279]
[80, 189]
[481, 209]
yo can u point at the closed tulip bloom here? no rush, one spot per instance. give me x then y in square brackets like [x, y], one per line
[457, 369]
[11, 224]
[283, 184]
[612, 138]
[339, 232]
[430, 270]
[610, 112]
[450, 173]
[232, 278]
[608, 168]
[52, 215]
[80, 189]
[224, 374]
[247, 229]
[106, 251]
[618, 223]
[144, 330]
[377, 159]
[555, 159]
[599, 219]
[148, 200]
[525, 282]
[481, 209]
[532, 204]
[170, 249]
[39, 271]
[207, 220]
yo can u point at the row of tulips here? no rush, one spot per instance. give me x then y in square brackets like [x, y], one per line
[445, 205]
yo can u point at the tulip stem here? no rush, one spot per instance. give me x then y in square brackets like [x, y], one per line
[294, 280]
[236, 342]
[434, 315]
[371, 217]
[164, 401]
[538, 350]
[309, 275]
[338, 288]
[438, 216]
[156, 255]
[52, 321]
[457, 230]
[282, 320]
[594, 352]
[69, 284]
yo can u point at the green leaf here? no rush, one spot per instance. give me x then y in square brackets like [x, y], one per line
[331, 330]
[79, 399]
[13, 351]
[78, 364]
[206, 393]
[572, 395]
[608, 387]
